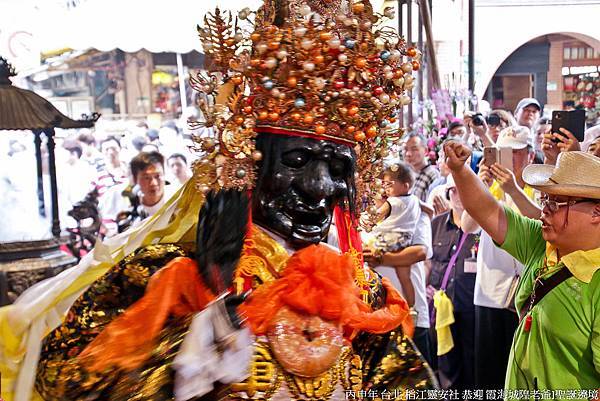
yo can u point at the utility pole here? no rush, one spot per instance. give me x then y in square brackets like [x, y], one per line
[409, 41]
[471, 46]
[432, 64]
[401, 33]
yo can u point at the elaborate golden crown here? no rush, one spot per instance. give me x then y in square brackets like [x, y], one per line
[318, 68]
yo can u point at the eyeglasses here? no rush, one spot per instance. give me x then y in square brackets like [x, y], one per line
[553, 205]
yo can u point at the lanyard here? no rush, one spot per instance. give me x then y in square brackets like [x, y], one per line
[453, 261]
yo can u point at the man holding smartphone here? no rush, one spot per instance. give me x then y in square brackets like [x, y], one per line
[497, 271]
[556, 345]
[566, 135]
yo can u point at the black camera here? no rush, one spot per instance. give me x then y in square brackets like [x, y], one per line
[478, 119]
[493, 120]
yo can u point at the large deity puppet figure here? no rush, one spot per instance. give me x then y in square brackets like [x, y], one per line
[228, 292]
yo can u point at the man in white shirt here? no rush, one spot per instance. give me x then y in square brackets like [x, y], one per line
[413, 256]
[415, 153]
[130, 205]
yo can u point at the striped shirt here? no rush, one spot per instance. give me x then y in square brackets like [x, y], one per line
[107, 179]
[423, 181]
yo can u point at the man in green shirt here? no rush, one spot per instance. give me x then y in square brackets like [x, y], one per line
[557, 343]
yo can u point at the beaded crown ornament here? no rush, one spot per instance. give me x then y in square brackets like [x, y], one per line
[323, 69]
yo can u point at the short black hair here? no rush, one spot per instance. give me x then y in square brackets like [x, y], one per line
[87, 138]
[176, 156]
[74, 148]
[144, 160]
[401, 172]
[111, 138]
[455, 124]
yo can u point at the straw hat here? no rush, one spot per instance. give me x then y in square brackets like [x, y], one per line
[576, 174]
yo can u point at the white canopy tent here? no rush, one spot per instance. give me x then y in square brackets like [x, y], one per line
[131, 25]
[128, 25]
[105, 25]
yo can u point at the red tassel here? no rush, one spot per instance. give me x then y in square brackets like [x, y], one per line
[528, 321]
[348, 235]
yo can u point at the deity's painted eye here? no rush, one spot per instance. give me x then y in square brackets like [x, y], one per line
[337, 168]
[295, 158]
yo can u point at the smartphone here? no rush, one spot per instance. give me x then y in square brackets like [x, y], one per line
[573, 120]
[490, 155]
[505, 157]
[502, 156]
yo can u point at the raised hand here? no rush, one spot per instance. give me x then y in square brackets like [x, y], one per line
[566, 141]
[479, 130]
[505, 178]
[457, 155]
[485, 175]
[440, 204]
[549, 149]
[554, 143]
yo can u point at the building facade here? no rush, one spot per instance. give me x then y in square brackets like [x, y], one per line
[541, 48]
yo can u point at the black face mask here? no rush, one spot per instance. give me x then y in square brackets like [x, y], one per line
[300, 182]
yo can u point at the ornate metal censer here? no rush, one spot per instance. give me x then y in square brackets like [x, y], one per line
[24, 263]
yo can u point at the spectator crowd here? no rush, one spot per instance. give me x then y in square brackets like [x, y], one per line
[472, 276]
[131, 174]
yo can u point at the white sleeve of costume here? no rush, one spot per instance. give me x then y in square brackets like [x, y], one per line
[212, 351]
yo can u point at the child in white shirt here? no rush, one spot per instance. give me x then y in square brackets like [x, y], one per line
[399, 214]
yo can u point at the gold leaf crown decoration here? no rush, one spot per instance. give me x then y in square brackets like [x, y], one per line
[323, 69]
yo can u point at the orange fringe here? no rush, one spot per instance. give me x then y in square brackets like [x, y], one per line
[126, 343]
[393, 297]
[316, 281]
[319, 281]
